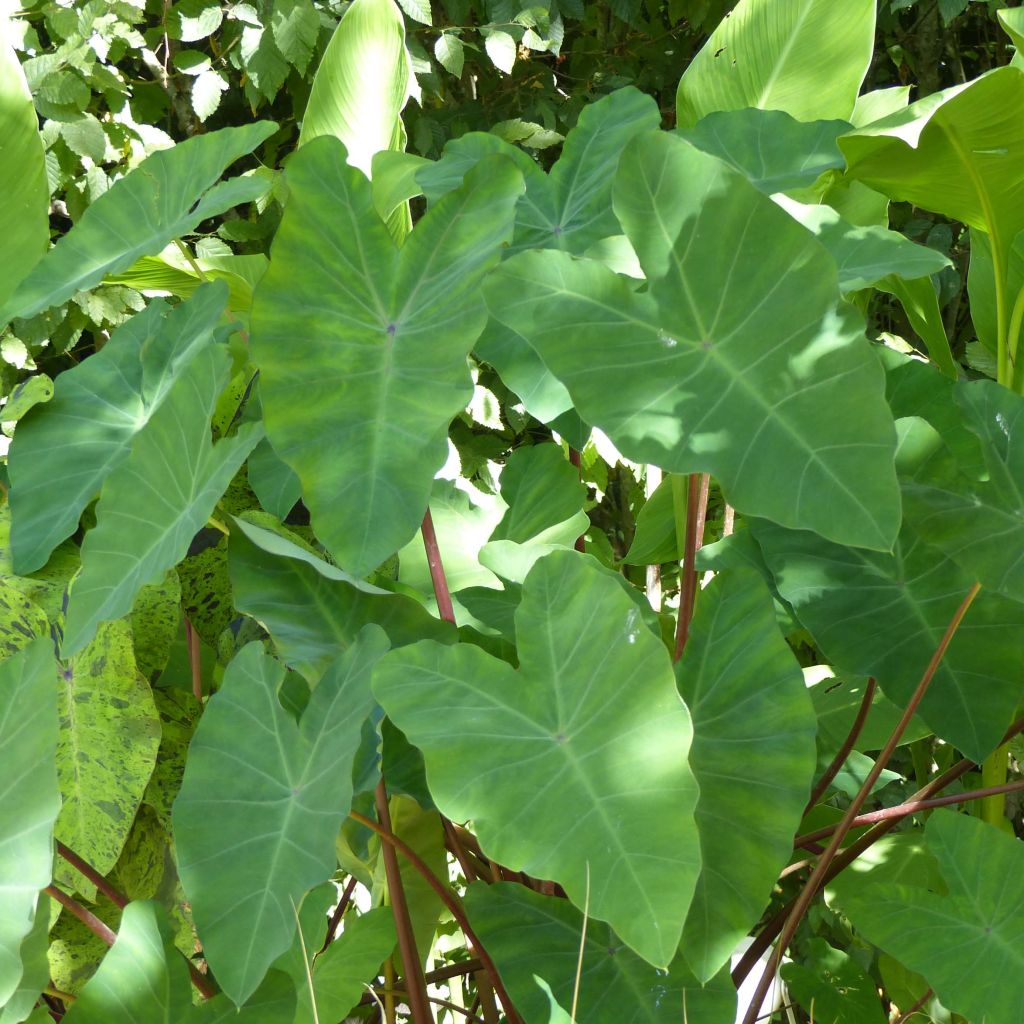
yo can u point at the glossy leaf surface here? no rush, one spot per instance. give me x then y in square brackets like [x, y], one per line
[807, 57]
[385, 337]
[745, 691]
[280, 800]
[731, 363]
[165, 197]
[586, 745]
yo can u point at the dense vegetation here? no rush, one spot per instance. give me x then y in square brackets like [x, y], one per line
[512, 512]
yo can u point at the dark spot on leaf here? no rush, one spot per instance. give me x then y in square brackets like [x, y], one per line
[392, 329]
[557, 229]
[707, 344]
[561, 738]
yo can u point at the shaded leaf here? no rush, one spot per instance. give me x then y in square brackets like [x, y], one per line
[280, 800]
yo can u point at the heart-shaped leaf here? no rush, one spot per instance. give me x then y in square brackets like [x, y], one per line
[580, 756]
[385, 336]
[280, 800]
[733, 362]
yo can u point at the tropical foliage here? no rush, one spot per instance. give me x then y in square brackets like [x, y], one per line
[512, 512]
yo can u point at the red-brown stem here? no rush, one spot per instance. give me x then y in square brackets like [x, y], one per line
[437, 576]
[844, 751]
[844, 859]
[574, 458]
[803, 900]
[459, 853]
[449, 899]
[87, 917]
[411, 963]
[194, 660]
[339, 911]
[912, 807]
[696, 511]
[906, 1015]
[86, 869]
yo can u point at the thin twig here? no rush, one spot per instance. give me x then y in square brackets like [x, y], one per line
[912, 807]
[844, 751]
[448, 898]
[904, 1017]
[441, 1002]
[810, 888]
[411, 963]
[339, 911]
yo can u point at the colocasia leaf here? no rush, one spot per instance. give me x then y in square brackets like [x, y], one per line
[579, 758]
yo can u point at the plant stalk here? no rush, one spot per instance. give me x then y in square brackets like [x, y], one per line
[803, 900]
[574, 457]
[993, 775]
[692, 537]
[844, 751]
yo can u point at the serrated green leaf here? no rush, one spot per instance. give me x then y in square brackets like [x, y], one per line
[178, 476]
[29, 800]
[23, 183]
[161, 199]
[189, 20]
[385, 335]
[109, 736]
[807, 57]
[85, 136]
[532, 936]
[501, 48]
[731, 362]
[449, 52]
[207, 89]
[883, 615]
[281, 800]
[296, 28]
[745, 692]
[607, 736]
[312, 609]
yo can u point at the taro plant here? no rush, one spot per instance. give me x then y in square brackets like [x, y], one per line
[529, 595]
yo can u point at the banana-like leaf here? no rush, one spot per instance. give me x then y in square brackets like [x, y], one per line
[29, 798]
[580, 756]
[537, 937]
[165, 197]
[745, 690]
[966, 943]
[106, 709]
[66, 448]
[362, 83]
[883, 615]
[174, 476]
[806, 57]
[978, 523]
[312, 609]
[280, 799]
[362, 347]
[735, 360]
[25, 232]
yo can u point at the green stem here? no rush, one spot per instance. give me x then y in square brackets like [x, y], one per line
[993, 773]
[1015, 373]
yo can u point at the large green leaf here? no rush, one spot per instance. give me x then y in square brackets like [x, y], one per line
[272, 798]
[883, 615]
[26, 228]
[833, 987]
[66, 448]
[532, 936]
[34, 967]
[165, 197]
[383, 336]
[979, 523]
[775, 151]
[177, 475]
[735, 360]
[312, 609]
[807, 57]
[362, 83]
[29, 797]
[969, 944]
[746, 692]
[579, 757]
[109, 737]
